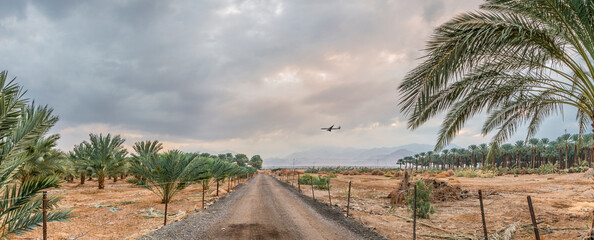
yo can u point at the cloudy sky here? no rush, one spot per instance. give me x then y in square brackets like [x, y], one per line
[257, 77]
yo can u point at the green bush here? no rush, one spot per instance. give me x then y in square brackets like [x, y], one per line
[472, 173]
[135, 181]
[312, 170]
[318, 182]
[424, 207]
[582, 166]
[387, 175]
[548, 168]
[331, 175]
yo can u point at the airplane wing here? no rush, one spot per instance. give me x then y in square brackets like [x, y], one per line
[325, 128]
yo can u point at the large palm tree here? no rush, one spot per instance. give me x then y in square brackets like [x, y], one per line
[517, 60]
[20, 126]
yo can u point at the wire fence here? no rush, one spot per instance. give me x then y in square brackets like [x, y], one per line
[334, 194]
[584, 229]
[197, 197]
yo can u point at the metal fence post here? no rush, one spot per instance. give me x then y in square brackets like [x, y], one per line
[349, 200]
[44, 215]
[536, 235]
[483, 214]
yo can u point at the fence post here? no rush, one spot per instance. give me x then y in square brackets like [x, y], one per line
[415, 213]
[312, 188]
[329, 196]
[44, 215]
[592, 228]
[536, 235]
[298, 183]
[166, 203]
[349, 200]
[203, 191]
[483, 214]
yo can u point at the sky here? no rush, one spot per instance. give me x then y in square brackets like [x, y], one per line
[253, 77]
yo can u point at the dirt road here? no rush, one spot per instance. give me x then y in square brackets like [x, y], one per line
[266, 209]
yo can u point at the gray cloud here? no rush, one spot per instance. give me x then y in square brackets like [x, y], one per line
[239, 75]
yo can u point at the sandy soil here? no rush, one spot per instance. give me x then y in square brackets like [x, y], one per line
[120, 211]
[266, 209]
[561, 202]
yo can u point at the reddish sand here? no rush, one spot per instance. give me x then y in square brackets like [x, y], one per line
[563, 202]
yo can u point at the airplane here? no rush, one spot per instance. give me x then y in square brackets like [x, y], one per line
[331, 128]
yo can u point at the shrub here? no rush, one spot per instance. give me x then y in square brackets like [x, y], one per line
[377, 172]
[135, 181]
[364, 170]
[331, 175]
[424, 207]
[582, 166]
[472, 173]
[312, 170]
[387, 175]
[548, 168]
[318, 182]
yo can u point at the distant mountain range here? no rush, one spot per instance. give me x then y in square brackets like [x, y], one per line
[339, 156]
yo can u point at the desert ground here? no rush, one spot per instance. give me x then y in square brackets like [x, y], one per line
[563, 205]
[120, 211]
[266, 209]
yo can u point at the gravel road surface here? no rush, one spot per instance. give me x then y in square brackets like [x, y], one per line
[266, 208]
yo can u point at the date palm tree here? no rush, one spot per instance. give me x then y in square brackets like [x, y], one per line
[221, 170]
[104, 156]
[519, 147]
[20, 126]
[520, 61]
[168, 173]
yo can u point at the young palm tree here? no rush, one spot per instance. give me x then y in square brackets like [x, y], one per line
[222, 170]
[105, 156]
[518, 60]
[20, 126]
[168, 173]
[79, 158]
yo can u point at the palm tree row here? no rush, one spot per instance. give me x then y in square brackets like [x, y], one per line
[168, 173]
[105, 157]
[519, 62]
[566, 151]
[30, 163]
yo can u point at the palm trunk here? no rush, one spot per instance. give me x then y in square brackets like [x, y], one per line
[83, 177]
[217, 187]
[482, 159]
[566, 157]
[101, 181]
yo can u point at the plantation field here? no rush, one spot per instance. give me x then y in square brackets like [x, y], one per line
[563, 202]
[563, 205]
[120, 211]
